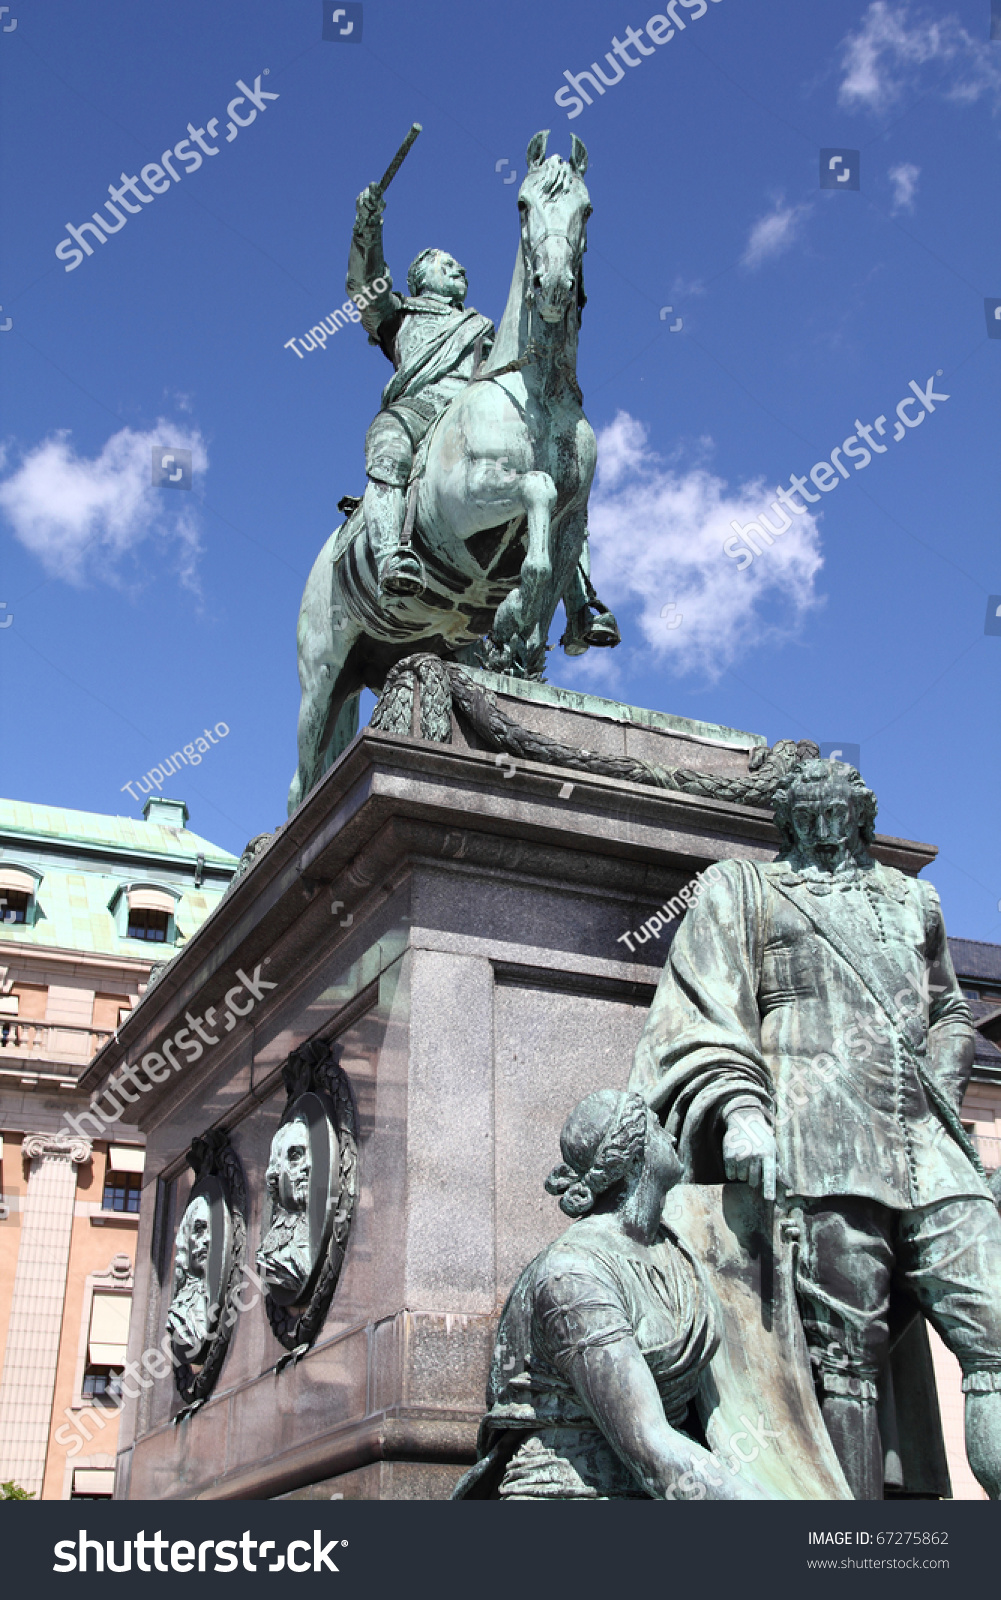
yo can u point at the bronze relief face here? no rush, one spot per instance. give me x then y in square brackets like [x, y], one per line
[302, 1182]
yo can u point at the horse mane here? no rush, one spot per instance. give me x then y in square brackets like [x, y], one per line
[512, 336]
[558, 177]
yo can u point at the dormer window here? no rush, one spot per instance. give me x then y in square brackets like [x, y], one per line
[146, 924]
[146, 911]
[18, 895]
[14, 906]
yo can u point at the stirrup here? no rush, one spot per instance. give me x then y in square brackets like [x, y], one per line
[402, 575]
[584, 630]
[603, 630]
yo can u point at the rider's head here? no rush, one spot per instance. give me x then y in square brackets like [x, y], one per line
[436, 272]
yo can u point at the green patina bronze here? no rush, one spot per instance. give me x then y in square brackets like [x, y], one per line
[809, 1038]
[806, 1053]
[473, 526]
[605, 1336]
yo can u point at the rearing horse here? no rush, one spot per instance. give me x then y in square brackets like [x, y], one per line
[498, 502]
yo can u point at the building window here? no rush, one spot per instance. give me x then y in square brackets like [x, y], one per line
[122, 1191]
[9, 1007]
[148, 925]
[14, 906]
[102, 1383]
[18, 891]
[107, 1339]
[93, 1483]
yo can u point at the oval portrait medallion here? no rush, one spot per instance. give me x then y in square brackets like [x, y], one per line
[302, 1182]
[209, 1251]
[310, 1185]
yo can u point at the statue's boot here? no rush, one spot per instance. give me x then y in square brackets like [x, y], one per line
[603, 630]
[983, 1439]
[585, 629]
[401, 574]
[853, 1425]
[400, 571]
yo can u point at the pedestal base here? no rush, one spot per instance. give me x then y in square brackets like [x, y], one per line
[457, 932]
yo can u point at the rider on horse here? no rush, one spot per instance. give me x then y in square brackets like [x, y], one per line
[434, 343]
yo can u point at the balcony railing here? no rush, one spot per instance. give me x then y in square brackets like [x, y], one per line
[989, 1149]
[63, 1044]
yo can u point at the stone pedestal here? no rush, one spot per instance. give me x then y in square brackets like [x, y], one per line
[456, 931]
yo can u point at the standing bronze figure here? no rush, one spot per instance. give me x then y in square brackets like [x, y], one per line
[808, 1033]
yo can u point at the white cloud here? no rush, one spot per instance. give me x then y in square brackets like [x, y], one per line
[657, 536]
[884, 58]
[905, 184]
[81, 516]
[687, 289]
[774, 233]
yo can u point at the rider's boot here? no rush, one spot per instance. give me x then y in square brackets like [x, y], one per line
[603, 630]
[585, 629]
[589, 622]
[400, 572]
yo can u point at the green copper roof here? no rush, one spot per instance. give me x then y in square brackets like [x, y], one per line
[127, 834]
[86, 859]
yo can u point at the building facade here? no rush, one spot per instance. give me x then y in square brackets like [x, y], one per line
[89, 905]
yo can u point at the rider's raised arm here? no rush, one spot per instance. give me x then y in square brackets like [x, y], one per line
[367, 265]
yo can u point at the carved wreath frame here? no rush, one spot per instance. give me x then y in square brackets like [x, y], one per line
[314, 1068]
[213, 1156]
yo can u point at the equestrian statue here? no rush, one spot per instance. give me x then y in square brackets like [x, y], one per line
[473, 525]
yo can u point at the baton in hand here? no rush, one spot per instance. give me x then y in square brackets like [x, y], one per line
[398, 159]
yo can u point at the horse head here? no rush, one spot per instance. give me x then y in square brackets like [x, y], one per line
[554, 206]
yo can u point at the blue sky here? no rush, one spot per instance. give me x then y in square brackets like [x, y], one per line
[141, 616]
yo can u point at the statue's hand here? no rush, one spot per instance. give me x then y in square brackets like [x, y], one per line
[370, 207]
[749, 1151]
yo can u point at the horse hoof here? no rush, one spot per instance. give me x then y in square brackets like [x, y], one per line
[604, 630]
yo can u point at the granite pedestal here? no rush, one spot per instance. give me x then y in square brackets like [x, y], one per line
[457, 932]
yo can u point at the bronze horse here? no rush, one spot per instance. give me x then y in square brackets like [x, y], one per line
[498, 502]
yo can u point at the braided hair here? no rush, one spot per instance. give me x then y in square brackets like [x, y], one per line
[603, 1141]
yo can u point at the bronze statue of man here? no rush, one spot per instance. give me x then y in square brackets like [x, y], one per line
[809, 1029]
[433, 341]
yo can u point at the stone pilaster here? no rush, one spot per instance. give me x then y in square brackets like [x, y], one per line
[29, 1370]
